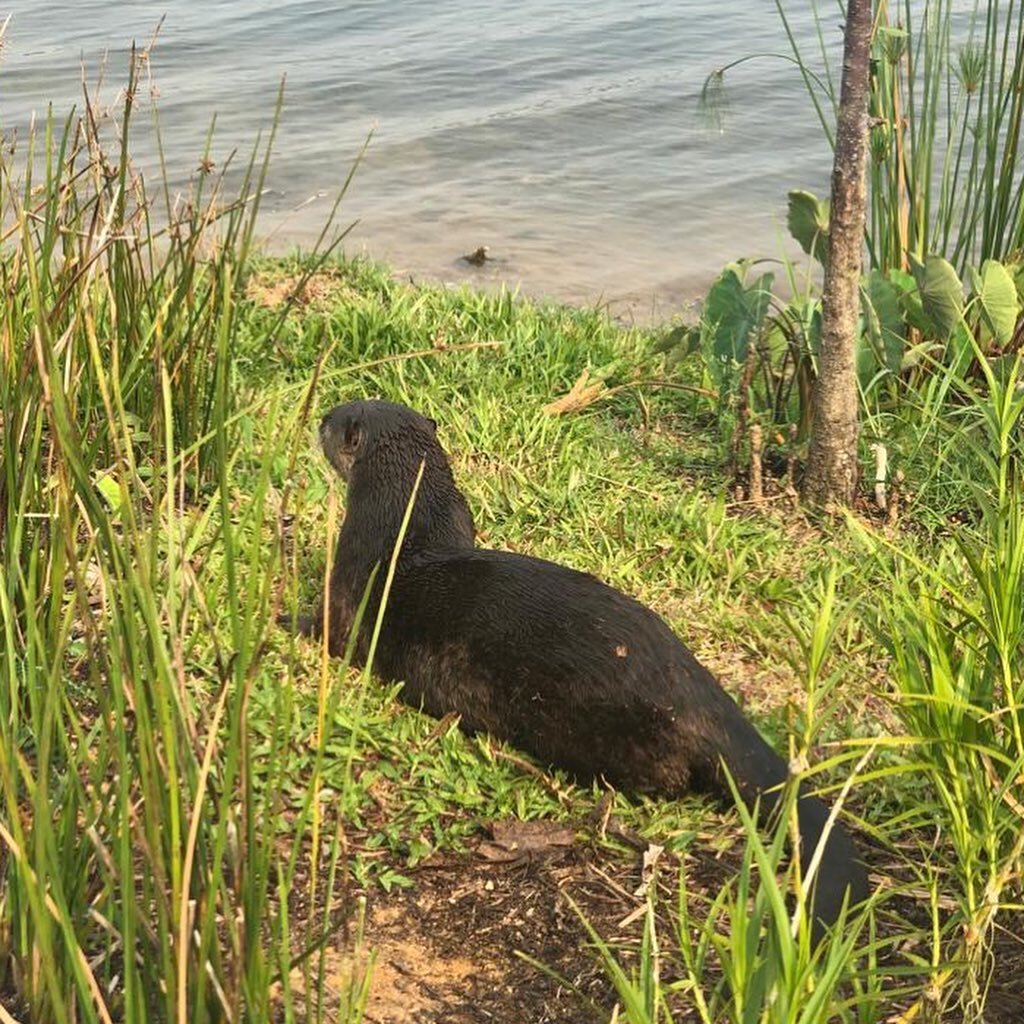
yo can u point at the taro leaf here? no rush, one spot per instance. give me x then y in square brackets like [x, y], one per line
[869, 337]
[866, 359]
[1017, 270]
[1004, 368]
[760, 297]
[732, 313]
[686, 348]
[942, 294]
[960, 348]
[812, 329]
[883, 320]
[996, 296]
[776, 339]
[869, 355]
[910, 301]
[901, 280]
[808, 222]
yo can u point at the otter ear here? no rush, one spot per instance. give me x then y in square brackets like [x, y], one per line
[433, 424]
[353, 438]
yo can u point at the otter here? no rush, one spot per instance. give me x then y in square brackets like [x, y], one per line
[559, 664]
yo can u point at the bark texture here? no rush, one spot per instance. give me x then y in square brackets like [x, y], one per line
[832, 468]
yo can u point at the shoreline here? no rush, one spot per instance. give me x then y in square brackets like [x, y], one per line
[640, 309]
[667, 301]
[641, 279]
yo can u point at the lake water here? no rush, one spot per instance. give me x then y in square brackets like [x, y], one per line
[567, 137]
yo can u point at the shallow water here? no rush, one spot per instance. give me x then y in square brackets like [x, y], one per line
[567, 137]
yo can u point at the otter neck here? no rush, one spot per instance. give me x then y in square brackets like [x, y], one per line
[378, 494]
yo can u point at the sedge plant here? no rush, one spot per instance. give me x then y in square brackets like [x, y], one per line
[947, 109]
[954, 627]
[143, 866]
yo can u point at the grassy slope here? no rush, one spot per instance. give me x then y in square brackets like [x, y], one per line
[630, 490]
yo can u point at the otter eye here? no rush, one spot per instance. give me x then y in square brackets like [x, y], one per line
[353, 436]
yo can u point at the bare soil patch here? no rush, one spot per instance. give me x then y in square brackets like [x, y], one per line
[464, 944]
[273, 290]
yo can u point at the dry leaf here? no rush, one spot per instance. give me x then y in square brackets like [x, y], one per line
[518, 840]
[579, 397]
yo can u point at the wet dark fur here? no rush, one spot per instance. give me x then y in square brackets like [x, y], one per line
[550, 659]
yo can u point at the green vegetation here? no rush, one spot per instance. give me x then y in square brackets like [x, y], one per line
[161, 502]
[944, 242]
[947, 108]
[194, 801]
[954, 626]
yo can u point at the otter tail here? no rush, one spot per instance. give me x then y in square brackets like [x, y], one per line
[759, 774]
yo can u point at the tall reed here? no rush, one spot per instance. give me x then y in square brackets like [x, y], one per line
[144, 872]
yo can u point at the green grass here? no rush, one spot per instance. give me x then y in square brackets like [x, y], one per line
[190, 561]
[621, 490]
[631, 490]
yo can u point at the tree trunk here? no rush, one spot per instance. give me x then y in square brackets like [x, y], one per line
[832, 469]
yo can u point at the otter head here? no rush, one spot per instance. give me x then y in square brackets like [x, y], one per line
[350, 432]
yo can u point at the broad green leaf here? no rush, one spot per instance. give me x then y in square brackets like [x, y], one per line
[808, 223]
[1017, 271]
[910, 302]
[902, 280]
[866, 357]
[942, 294]
[884, 320]
[1004, 367]
[760, 297]
[732, 313]
[686, 346]
[727, 318]
[996, 296]
[960, 348]
[814, 330]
